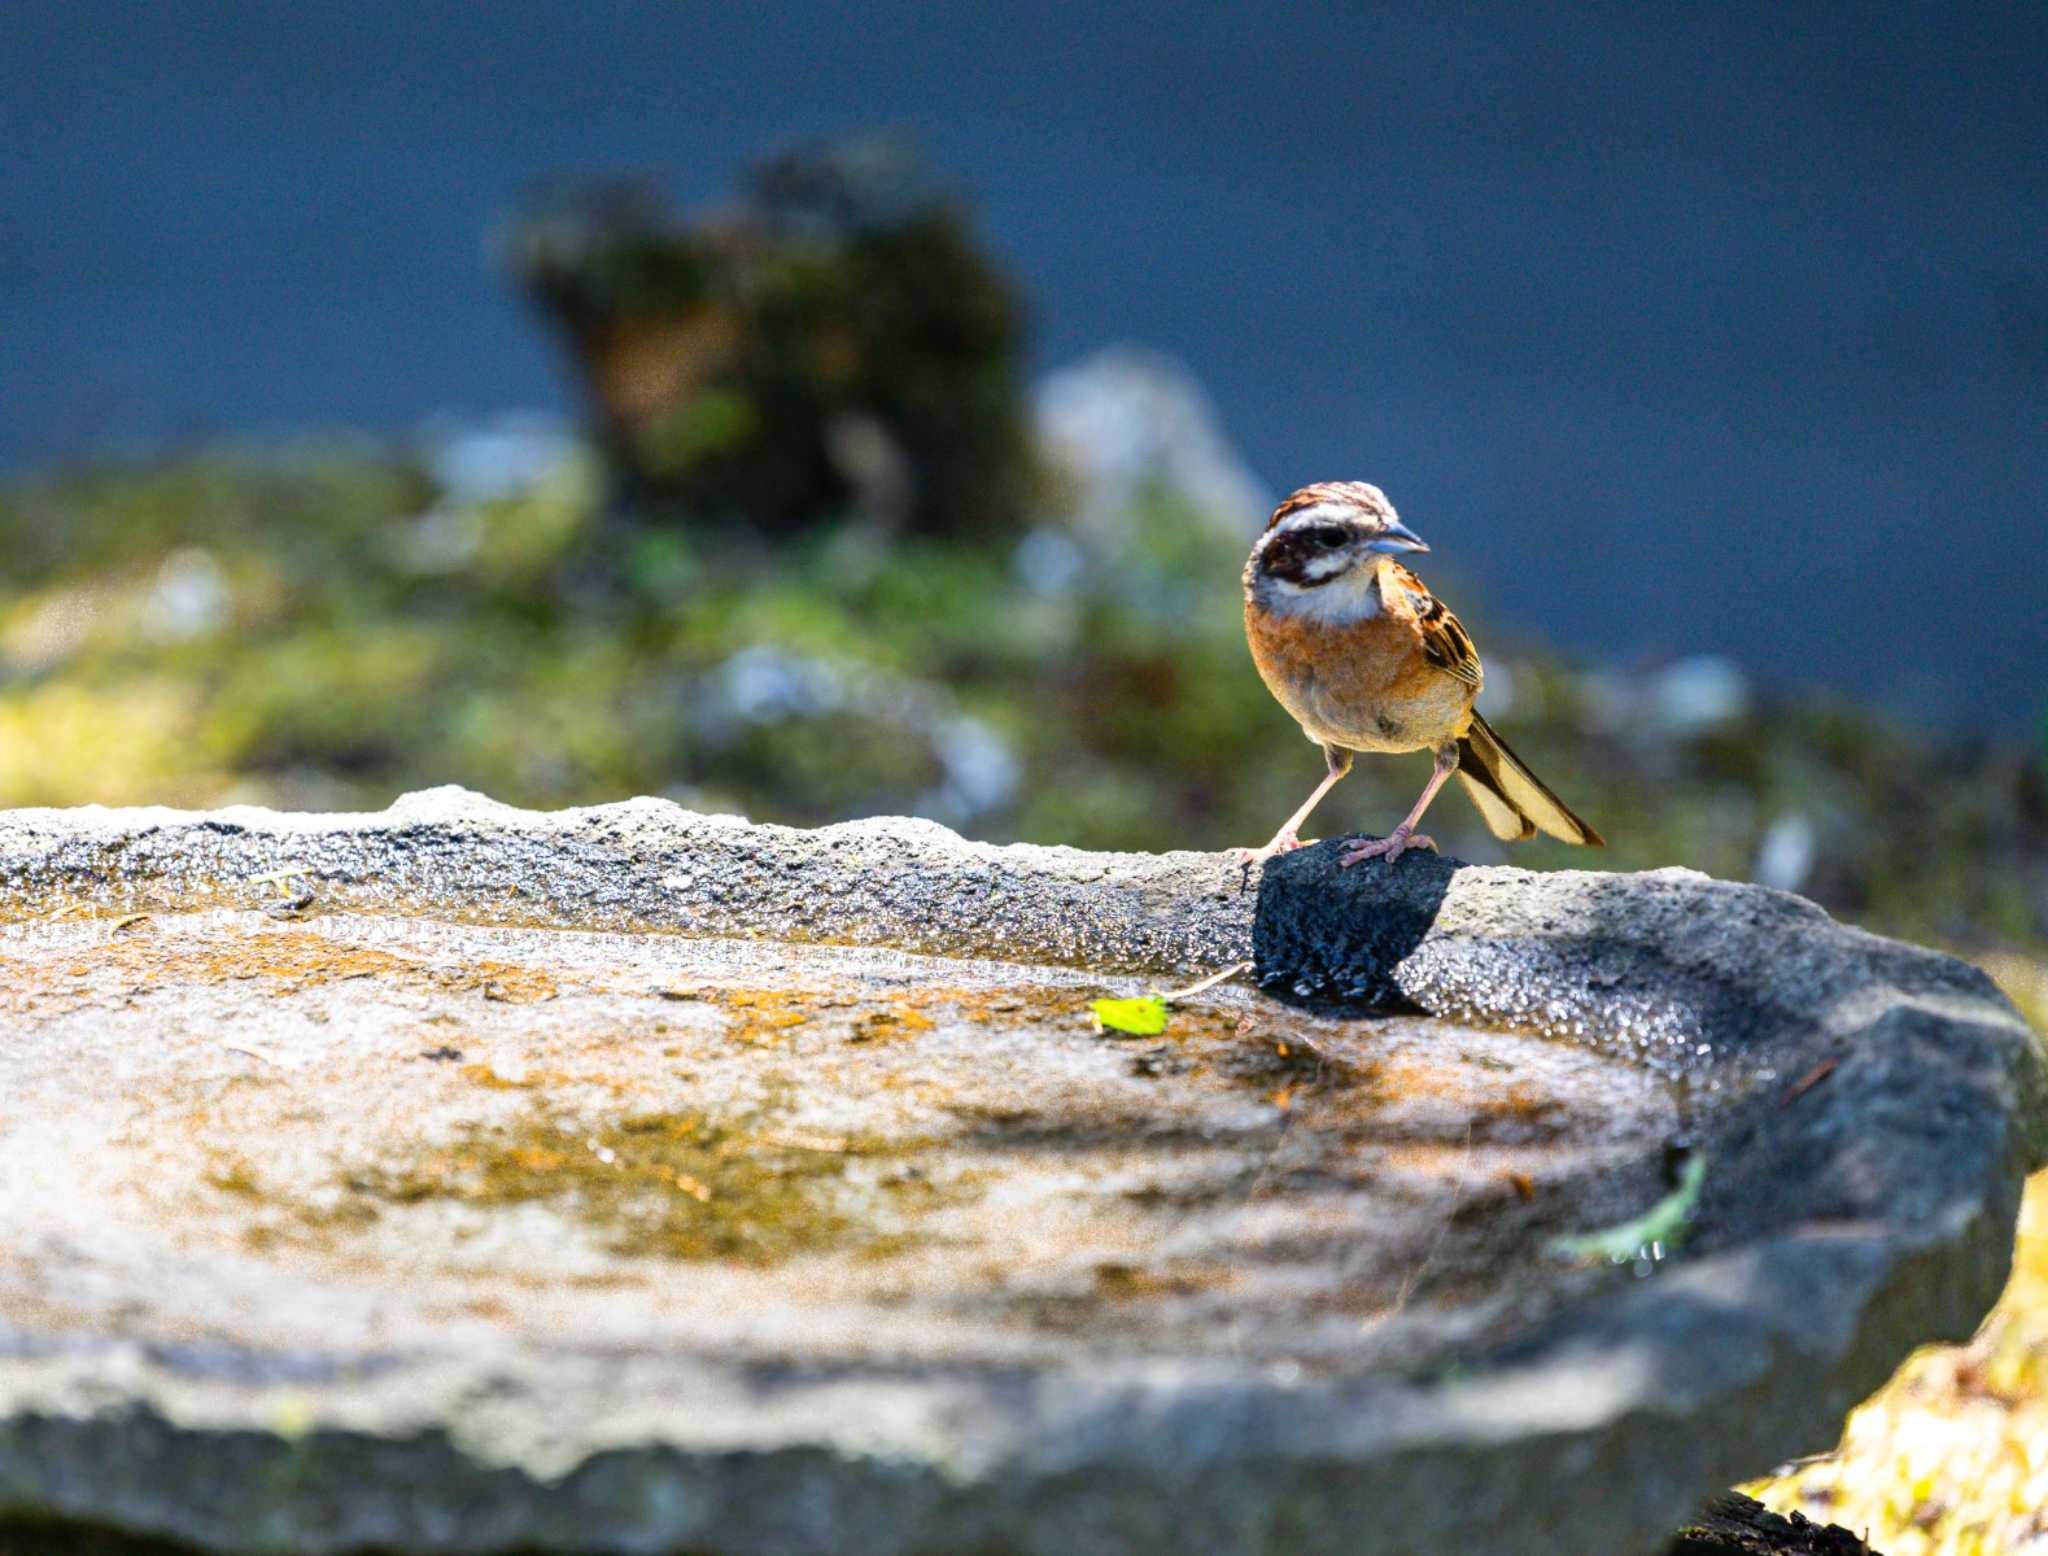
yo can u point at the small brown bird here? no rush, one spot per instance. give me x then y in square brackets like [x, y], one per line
[1366, 659]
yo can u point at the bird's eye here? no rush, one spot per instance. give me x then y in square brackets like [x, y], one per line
[1331, 536]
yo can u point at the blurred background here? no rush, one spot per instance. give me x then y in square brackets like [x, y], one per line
[814, 411]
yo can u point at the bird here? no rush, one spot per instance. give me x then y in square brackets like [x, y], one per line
[1365, 658]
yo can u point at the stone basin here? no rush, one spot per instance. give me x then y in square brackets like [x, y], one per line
[467, 1179]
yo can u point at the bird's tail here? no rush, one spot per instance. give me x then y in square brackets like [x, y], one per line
[1514, 800]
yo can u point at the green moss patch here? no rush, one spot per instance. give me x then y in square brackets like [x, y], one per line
[680, 1185]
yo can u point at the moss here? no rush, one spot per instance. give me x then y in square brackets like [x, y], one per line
[765, 1017]
[686, 1186]
[673, 1185]
[898, 1021]
[1129, 1282]
[284, 961]
[484, 1075]
[770, 1017]
[234, 1176]
[754, 1188]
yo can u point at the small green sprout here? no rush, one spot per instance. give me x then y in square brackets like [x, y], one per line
[1660, 1227]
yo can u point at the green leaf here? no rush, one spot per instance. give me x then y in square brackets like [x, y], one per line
[1144, 1017]
[1664, 1222]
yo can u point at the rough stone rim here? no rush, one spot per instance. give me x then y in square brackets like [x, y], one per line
[1802, 1323]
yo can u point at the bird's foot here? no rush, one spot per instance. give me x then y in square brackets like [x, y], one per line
[1283, 843]
[1391, 847]
[1250, 858]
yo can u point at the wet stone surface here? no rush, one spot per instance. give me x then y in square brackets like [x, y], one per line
[461, 1179]
[352, 1134]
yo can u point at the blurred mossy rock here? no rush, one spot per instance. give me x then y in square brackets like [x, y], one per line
[1130, 429]
[835, 339]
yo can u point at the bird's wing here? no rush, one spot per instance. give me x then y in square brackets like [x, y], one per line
[1445, 643]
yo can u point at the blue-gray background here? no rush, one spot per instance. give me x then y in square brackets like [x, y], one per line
[1702, 328]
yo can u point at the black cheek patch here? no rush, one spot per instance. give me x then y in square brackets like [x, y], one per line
[1287, 557]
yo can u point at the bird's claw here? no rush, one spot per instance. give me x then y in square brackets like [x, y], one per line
[1250, 858]
[1285, 843]
[1390, 847]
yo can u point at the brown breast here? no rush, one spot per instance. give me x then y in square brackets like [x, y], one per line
[1364, 685]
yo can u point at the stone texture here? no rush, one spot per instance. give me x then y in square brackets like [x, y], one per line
[629, 1180]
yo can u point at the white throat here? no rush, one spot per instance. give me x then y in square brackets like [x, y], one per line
[1354, 597]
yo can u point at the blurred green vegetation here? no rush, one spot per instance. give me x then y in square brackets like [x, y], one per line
[330, 628]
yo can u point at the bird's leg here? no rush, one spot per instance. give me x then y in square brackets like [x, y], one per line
[1287, 837]
[1405, 837]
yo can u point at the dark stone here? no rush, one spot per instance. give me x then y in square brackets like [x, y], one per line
[1736, 1525]
[1325, 932]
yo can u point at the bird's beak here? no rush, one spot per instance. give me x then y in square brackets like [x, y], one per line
[1395, 539]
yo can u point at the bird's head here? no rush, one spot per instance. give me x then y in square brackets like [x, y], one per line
[1327, 535]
